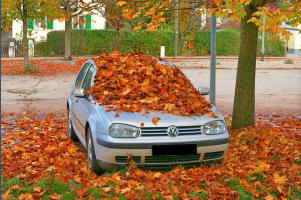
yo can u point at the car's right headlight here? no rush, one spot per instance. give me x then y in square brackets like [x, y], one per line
[214, 127]
[123, 131]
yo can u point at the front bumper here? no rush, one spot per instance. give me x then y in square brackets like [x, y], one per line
[106, 156]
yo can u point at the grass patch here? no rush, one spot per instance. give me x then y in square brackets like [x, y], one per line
[25, 98]
[95, 193]
[109, 173]
[295, 194]
[21, 91]
[31, 69]
[148, 195]
[256, 177]
[68, 190]
[201, 195]
[275, 158]
[243, 194]
[48, 187]
[297, 161]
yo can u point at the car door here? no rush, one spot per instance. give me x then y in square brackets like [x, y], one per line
[82, 108]
[74, 108]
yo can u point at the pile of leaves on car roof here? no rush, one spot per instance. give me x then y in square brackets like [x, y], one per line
[137, 83]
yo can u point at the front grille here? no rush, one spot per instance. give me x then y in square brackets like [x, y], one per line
[162, 131]
[172, 159]
[124, 159]
[213, 155]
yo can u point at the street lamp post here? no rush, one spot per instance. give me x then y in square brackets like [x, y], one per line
[176, 27]
[262, 40]
[213, 60]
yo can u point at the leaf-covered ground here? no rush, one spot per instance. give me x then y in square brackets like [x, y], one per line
[41, 66]
[38, 161]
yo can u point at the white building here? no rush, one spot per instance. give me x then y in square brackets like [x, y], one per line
[294, 43]
[38, 30]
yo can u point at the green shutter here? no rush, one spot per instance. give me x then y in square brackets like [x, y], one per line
[30, 23]
[49, 24]
[88, 22]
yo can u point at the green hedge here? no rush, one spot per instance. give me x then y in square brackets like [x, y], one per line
[227, 42]
[92, 42]
[272, 47]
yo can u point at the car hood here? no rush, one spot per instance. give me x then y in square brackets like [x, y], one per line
[166, 120]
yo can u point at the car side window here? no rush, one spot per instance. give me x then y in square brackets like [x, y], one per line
[87, 81]
[81, 75]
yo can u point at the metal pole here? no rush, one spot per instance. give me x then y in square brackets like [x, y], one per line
[176, 27]
[262, 40]
[212, 60]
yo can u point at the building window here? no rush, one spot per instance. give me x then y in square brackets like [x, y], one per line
[40, 24]
[78, 22]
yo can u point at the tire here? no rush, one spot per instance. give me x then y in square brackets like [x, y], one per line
[71, 132]
[91, 158]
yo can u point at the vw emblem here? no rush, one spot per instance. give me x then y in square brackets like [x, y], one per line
[172, 131]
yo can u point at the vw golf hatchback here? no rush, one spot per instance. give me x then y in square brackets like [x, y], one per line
[112, 140]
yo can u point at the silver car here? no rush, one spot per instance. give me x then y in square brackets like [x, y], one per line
[111, 141]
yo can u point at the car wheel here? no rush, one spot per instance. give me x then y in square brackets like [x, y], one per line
[71, 133]
[91, 158]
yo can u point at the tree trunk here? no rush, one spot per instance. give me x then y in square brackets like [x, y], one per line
[244, 100]
[67, 39]
[25, 39]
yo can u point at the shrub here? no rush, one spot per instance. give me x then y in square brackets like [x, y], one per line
[272, 47]
[227, 42]
[92, 42]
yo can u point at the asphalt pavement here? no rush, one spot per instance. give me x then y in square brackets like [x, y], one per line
[277, 90]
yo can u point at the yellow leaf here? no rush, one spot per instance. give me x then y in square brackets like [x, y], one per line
[140, 187]
[51, 168]
[107, 189]
[72, 149]
[14, 187]
[37, 189]
[269, 197]
[262, 166]
[125, 190]
[137, 28]
[280, 179]
[25, 196]
[157, 175]
[120, 3]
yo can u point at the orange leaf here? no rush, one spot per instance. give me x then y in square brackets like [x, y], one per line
[54, 196]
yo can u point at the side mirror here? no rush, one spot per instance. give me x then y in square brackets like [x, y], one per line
[79, 93]
[204, 90]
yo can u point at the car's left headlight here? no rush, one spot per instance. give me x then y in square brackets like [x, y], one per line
[214, 127]
[123, 131]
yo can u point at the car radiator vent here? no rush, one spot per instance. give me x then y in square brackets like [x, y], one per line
[162, 131]
[213, 155]
[172, 159]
